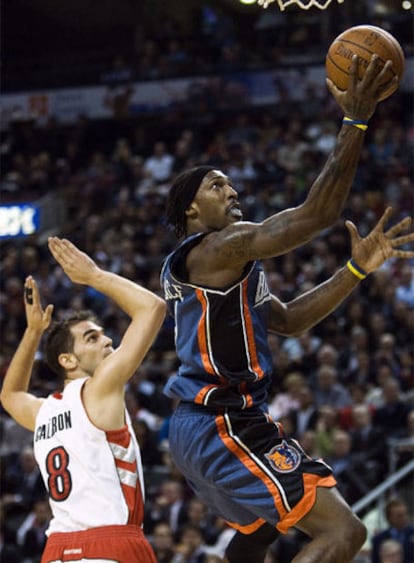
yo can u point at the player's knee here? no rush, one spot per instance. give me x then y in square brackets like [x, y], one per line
[352, 535]
[345, 542]
[334, 526]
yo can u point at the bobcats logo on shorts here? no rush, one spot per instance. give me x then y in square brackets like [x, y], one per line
[284, 458]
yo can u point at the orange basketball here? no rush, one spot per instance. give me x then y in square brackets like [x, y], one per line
[364, 40]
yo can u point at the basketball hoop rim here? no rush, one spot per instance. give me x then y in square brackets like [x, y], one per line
[303, 4]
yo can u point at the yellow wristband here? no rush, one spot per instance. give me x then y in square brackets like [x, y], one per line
[356, 270]
[358, 123]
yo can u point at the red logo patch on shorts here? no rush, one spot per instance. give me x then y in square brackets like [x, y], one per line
[284, 458]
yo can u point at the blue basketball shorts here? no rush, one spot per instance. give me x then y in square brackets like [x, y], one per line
[242, 466]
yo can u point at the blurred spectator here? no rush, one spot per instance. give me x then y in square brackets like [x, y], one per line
[354, 481]
[381, 149]
[326, 140]
[241, 167]
[147, 440]
[403, 445]
[121, 158]
[160, 163]
[168, 506]
[374, 520]
[375, 395]
[405, 287]
[400, 529]
[326, 426]
[387, 353]
[283, 402]
[22, 483]
[308, 442]
[358, 394]
[359, 342]
[13, 437]
[9, 551]
[31, 535]
[392, 416]
[197, 514]
[190, 547]
[138, 412]
[118, 81]
[224, 534]
[328, 391]
[327, 354]
[12, 309]
[163, 543]
[362, 370]
[367, 443]
[303, 350]
[290, 153]
[183, 156]
[406, 372]
[305, 415]
[391, 551]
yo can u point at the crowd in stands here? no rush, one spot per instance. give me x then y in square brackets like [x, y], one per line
[343, 389]
[217, 39]
[160, 42]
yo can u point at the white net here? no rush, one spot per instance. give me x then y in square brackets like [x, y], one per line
[304, 5]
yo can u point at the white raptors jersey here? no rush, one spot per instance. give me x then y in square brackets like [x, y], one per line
[94, 478]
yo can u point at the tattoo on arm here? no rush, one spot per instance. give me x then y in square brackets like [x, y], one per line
[238, 248]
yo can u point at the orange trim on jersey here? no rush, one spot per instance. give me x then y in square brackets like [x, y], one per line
[244, 458]
[202, 335]
[249, 528]
[199, 398]
[310, 483]
[250, 333]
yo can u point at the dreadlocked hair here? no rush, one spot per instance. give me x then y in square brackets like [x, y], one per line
[182, 193]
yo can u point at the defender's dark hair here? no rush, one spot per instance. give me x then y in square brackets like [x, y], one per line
[182, 193]
[60, 340]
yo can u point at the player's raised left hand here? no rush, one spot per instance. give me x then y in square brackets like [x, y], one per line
[380, 245]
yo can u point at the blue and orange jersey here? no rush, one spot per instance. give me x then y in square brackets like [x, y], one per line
[220, 335]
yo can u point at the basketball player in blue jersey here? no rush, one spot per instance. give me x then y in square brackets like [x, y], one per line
[236, 458]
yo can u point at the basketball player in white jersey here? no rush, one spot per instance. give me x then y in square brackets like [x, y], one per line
[83, 440]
